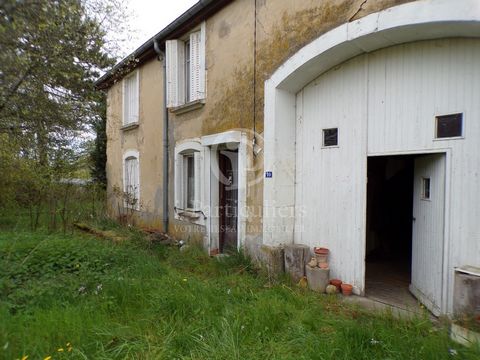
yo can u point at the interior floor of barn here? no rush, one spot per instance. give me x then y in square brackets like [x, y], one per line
[389, 231]
[388, 283]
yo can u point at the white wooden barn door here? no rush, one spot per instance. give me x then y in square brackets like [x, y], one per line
[428, 230]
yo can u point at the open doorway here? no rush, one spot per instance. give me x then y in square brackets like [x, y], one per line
[389, 229]
[228, 200]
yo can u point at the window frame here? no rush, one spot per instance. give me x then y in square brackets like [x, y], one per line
[192, 149]
[131, 154]
[426, 194]
[136, 116]
[186, 88]
[456, 137]
[323, 138]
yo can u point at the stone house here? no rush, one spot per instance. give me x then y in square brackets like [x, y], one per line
[348, 124]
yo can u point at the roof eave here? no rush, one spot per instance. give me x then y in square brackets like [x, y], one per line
[188, 20]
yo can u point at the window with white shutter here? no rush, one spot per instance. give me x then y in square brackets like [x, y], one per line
[185, 61]
[188, 182]
[131, 181]
[130, 98]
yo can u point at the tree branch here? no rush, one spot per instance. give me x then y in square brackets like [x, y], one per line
[14, 88]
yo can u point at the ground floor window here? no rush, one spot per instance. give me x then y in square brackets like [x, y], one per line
[188, 181]
[131, 180]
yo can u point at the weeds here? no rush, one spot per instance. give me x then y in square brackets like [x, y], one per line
[133, 300]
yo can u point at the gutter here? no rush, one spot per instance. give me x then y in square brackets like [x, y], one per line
[161, 57]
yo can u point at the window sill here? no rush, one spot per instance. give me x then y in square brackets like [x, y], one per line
[130, 126]
[190, 214]
[131, 208]
[449, 138]
[192, 105]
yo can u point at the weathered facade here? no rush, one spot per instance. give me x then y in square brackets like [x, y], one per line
[251, 87]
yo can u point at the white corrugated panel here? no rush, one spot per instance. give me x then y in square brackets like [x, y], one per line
[330, 200]
[403, 89]
[428, 231]
[411, 84]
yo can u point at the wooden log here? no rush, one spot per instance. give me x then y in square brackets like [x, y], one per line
[296, 257]
[272, 260]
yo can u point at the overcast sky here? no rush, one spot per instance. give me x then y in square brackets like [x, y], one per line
[151, 16]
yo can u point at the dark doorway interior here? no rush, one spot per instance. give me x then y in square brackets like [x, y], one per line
[228, 200]
[389, 229]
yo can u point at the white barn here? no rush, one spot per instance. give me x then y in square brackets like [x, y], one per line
[372, 136]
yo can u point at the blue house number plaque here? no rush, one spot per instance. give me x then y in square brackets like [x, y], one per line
[268, 174]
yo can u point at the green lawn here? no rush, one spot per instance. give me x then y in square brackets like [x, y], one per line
[101, 300]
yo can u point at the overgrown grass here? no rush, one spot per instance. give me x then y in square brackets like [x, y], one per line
[128, 300]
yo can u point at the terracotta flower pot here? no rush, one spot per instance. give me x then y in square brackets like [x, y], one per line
[347, 289]
[337, 283]
[321, 250]
[321, 254]
[323, 265]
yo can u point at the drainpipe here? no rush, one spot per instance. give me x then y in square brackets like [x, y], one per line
[160, 57]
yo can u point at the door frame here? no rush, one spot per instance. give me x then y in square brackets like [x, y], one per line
[211, 142]
[446, 283]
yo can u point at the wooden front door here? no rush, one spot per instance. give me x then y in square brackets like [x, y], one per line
[228, 196]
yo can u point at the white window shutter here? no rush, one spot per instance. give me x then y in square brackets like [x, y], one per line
[130, 98]
[125, 102]
[136, 182]
[195, 66]
[198, 180]
[126, 176]
[202, 89]
[131, 184]
[175, 60]
[135, 96]
[178, 181]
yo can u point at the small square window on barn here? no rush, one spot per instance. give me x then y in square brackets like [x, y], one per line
[449, 126]
[330, 137]
[426, 188]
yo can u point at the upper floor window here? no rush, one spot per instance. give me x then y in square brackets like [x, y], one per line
[185, 61]
[130, 98]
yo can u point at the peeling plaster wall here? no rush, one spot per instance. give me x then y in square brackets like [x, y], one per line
[235, 86]
[146, 139]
